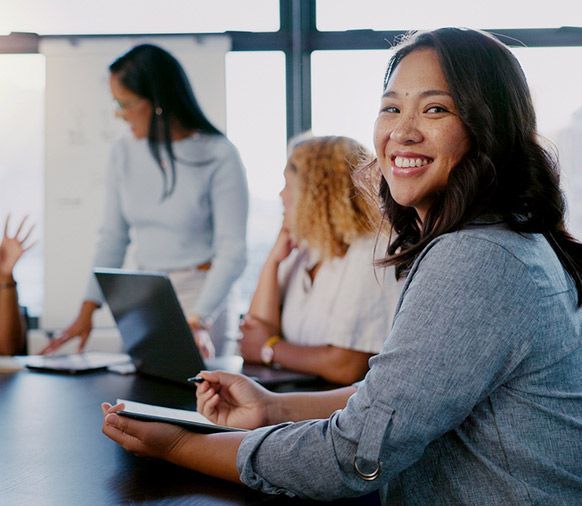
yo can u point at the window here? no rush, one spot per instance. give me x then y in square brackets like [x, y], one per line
[338, 15]
[255, 94]
[21, 162]
[558, 103]
[346, 88]
[133, 16]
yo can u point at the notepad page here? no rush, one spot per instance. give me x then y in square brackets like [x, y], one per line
[152, 410]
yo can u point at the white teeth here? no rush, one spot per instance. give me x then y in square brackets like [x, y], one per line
[403, 162]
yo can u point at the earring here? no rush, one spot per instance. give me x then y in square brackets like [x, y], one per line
[159, 111]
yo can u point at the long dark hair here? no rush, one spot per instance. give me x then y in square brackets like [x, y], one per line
[154, 74]
[506, 172]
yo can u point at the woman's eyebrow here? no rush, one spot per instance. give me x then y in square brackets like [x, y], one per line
[424, 94]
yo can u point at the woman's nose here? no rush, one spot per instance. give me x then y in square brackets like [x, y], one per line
[407, 131]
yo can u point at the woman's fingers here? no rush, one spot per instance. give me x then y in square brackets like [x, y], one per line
[120, 429]
[209, 407]
[204, 397]
[6, 225]
[20, 225]
[27, 235]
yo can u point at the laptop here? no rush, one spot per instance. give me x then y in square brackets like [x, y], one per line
[157, 337]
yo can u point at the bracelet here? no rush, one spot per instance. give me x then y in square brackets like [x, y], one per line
[267, 352]
[272, 341]
[9, 284]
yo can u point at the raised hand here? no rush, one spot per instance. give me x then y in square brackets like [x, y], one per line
[283, 246]
[14, 246]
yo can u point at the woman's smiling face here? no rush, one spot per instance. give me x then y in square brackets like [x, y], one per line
[418, 135]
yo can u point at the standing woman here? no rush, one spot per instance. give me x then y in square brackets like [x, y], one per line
[476, 396]
[177, 189]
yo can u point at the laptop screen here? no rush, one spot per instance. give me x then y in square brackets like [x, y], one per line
[151, 322]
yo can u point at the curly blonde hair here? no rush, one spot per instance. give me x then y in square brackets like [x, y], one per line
[331, 213]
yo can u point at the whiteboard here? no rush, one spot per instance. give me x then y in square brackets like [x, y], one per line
[80, 128]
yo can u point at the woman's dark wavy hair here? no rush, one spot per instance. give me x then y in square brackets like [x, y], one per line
[154, 74]
[506, 172]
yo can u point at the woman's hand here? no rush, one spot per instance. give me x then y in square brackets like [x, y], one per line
[146, 439]
[204, 343]
[254, 334]
[81, 327]
[233, 400]
[13, 247]
[282, 247]
[201, 337]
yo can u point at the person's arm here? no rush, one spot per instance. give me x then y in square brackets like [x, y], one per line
[12, 247]
[113, 236]
[266, 302]
[214, 454]
[332, 363]
[237, 401]
[12, 333]
[228, 196]
[299, 406]
[81, 327]
[230, 399]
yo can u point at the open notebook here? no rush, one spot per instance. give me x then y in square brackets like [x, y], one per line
[189, 419]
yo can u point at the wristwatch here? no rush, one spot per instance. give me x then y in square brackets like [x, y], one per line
[267, 351]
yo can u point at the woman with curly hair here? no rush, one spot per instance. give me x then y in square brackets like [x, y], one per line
[319, 308]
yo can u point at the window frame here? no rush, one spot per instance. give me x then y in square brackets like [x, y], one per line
[298, 37]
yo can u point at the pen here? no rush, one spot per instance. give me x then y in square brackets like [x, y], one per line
[195, 379]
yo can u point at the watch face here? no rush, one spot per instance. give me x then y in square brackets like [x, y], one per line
[267, 355]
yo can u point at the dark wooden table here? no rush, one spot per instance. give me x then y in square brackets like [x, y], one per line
[52, 451]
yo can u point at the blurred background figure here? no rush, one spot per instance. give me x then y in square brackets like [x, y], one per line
[176, 189]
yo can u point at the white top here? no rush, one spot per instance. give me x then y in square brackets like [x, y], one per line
[204, 220]
[350, 304]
